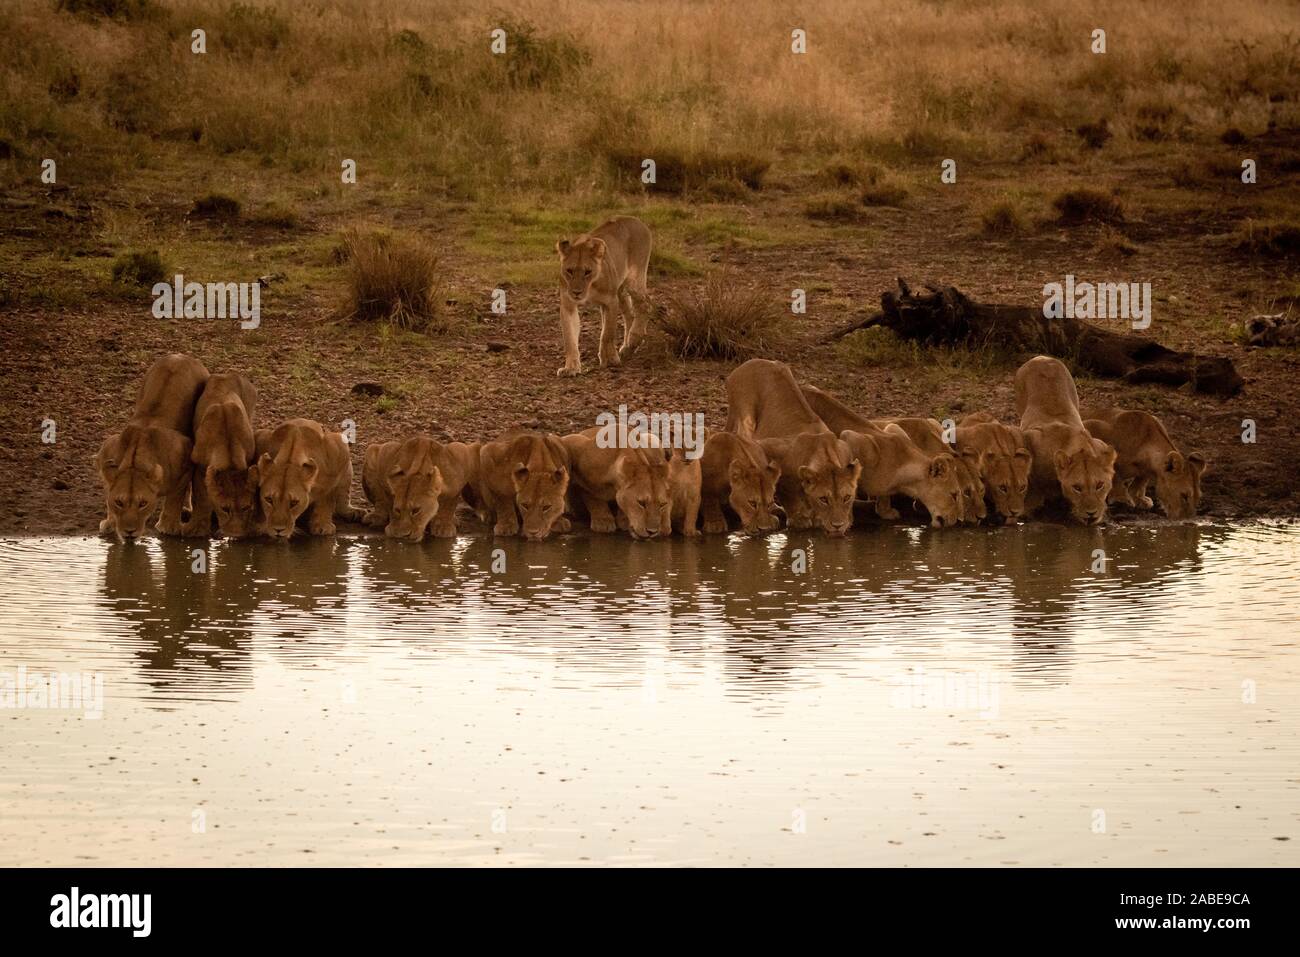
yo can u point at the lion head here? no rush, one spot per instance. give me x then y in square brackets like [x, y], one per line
[1178, 484]
[133, 480]
[753, 490]
[416, 484]
[580, 264]
[973, 509]
[1006, 481]
[940, 491]
[540, 479]
[831, 486]
[284, 485]
[643, 493]
[1086, 471]
[233, 492]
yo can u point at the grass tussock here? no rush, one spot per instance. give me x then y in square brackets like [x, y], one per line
[216, 206]
[1269, 240]
[393, 280]
[1112, 242]
[725, 318]
[1084, 205]
[1004, 218]
[834, 209]
[125, 10]
[138, 268]
[276, 216]
[887, 192]
[678, 172]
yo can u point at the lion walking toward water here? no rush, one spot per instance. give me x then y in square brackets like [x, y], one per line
[607, 268]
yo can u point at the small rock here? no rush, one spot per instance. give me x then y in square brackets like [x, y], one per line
[59, 485]
[495, 346]
[368, 388]
[272, 278]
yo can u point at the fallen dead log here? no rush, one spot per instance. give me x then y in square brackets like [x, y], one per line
[946, 315]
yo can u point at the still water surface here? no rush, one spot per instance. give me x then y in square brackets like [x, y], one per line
[971, 696]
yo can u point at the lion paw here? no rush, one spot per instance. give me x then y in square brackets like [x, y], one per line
[567, 370]
[322, 528]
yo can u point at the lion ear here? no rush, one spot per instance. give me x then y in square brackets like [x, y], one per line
[157, 473]
[562, 246]
[1061, 460]
[598, 248]
[519, 475]
[805, 473]
[309, 466]
[939, 465]
[1174, 462]
[1198, 463]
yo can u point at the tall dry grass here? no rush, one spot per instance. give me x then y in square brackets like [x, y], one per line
[410, 88]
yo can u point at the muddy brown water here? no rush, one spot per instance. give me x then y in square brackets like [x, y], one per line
[971, 696]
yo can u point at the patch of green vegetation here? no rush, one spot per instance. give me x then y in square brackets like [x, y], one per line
[880, 347]
[669, 262]
[139, 268]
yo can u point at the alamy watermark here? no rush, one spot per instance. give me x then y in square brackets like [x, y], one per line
[673, 430]
[213, 300]
[72, 691]
[1102, 300]
[955, 690]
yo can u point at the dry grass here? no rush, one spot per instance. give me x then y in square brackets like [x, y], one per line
[1004, 218]
[412, 89]
[393, 280]
[1270, 240]
[1085, 205]
[725, 318]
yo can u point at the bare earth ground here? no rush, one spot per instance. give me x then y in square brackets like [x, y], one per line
[81, 365]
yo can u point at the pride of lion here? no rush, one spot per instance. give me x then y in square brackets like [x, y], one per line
[789, 453]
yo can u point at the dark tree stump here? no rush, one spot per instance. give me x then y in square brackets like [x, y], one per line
[946, 315]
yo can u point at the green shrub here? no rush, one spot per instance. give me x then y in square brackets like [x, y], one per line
[139, 268]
